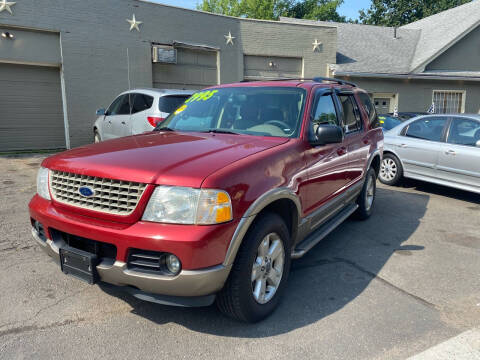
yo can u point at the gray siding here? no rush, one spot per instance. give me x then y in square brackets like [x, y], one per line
[95, 37]
[417, 95]
[31, 108]
[261, 67]
[463, 56]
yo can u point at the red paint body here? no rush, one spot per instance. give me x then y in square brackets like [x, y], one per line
[243, 165]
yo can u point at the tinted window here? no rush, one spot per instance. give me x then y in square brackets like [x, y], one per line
[121, 106]
[351, 116]
[370, 109]
[141, 102]
[261, 111]
[388, 122]
[430, 128]
[464, 131]
[169, 104]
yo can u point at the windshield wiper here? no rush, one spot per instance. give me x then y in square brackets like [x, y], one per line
[164, 128]
[221, 131]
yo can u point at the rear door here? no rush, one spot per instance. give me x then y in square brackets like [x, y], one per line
[459, 160]
[325, 163]
[356, 140]
[421, 144]
[141, 111]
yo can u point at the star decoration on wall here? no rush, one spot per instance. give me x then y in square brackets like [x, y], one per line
[5, 5]
[316, 45]
[229, 38]
[134, 23]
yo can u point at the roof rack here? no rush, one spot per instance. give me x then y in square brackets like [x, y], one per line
[338, 81]
[316, 79]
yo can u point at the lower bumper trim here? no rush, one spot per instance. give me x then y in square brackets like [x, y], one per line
[182, 301]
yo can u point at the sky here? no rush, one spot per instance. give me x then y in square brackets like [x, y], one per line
[349, 8]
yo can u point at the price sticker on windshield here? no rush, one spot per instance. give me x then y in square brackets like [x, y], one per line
[201, 96]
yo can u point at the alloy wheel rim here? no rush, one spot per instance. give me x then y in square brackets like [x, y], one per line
[388, 170]
[267, 269]
[370, 194]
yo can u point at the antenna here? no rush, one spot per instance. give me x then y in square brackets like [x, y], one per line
[128, 71]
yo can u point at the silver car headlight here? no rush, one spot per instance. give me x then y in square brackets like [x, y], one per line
[184, 205]
[42, 183]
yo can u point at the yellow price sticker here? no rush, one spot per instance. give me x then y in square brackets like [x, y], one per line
[201, 96]
[180, 109]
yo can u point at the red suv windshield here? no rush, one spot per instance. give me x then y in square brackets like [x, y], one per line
[261, 111]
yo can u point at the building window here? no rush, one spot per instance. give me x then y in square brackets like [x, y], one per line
[449, 102]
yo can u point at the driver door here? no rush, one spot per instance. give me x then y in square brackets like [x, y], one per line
[326, 164]
[117, 118]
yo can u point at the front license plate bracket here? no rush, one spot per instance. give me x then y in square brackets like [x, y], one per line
[80, 264]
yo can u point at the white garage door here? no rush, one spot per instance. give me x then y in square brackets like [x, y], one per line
[271, 67]
[195, 69]
[31, 115]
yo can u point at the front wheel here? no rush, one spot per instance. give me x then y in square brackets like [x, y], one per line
[391, 170]
[259, 274]
[366, 199]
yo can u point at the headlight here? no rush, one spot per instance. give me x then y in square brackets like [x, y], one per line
[183, 205]
[42, 183]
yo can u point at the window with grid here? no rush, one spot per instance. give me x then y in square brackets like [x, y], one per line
[448, 102]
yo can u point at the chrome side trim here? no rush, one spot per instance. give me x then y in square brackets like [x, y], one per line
[245, 222]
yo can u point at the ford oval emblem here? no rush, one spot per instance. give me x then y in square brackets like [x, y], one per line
[86, 191]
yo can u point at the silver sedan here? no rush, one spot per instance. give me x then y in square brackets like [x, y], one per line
[441, 149]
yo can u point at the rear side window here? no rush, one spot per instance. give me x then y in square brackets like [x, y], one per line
[351, 116]
[370, 110]
[141, 102]
[464, 131]
[430, 128]
[170, 103]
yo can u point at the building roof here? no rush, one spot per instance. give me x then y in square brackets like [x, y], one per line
[376, 49]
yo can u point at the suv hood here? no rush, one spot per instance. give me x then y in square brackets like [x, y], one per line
[169, 158]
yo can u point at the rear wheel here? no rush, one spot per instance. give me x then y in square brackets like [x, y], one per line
[366, 199]
[260, 272]
[391, 170]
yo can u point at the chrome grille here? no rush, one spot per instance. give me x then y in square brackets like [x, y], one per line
[110, 196]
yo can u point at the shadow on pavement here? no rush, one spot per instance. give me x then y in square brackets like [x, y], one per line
[441, 190]
[328, 278]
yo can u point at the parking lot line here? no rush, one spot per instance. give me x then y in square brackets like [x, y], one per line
[465, 346]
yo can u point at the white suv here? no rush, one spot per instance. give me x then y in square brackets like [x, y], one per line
[137, 111]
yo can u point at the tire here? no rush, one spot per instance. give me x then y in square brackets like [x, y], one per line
[391, 170]
[366, 199]
[241, 297]
[96, 137]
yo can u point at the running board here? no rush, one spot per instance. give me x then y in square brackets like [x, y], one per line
[319, 234]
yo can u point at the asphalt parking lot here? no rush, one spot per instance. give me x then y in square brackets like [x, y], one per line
[388, 288]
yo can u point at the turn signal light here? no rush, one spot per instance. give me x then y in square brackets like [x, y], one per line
[154, 121]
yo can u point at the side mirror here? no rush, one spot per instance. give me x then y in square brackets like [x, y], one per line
[328, 134]
[100, 112]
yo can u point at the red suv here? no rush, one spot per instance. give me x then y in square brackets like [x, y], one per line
[216, 201]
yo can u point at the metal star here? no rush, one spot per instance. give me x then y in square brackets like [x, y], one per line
[134, 23]
[5, 5]
[316, 45]
[229, 38]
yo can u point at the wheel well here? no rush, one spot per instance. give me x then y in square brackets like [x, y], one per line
[287, 210]
[376, 164]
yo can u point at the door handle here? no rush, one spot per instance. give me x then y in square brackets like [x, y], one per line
[342, 151]
[123, 122]
[403, 145]
[450, 152]
[366, 141]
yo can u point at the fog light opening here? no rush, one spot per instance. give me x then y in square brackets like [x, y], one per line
[173, 264]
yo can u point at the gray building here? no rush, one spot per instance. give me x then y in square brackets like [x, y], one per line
[60, 60]
[434, 60]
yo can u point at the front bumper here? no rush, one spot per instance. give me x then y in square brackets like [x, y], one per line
[189, 283]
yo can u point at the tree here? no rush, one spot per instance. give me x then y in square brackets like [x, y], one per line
[272, 9]
[401, 12]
